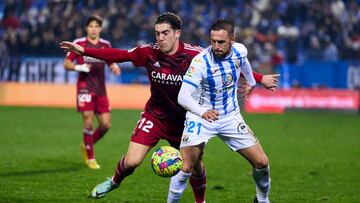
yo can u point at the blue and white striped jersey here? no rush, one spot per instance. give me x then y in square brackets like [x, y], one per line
[216, 80]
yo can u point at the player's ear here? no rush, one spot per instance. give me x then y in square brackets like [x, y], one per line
[232, 38]
[177, 34]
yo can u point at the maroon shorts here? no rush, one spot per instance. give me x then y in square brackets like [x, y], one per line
[149, 130]
[92, 102]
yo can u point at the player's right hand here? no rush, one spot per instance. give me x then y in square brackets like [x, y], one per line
[270, 81]
[82, 68]
[70, 46]
[211, 115]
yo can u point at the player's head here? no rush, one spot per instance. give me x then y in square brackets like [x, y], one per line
[222, 37]
[167, 32]
[93, 27]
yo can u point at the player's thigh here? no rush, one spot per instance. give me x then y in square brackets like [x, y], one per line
[136, 154]
[104, 119]
[236, 133]
[191, 156]
[255, 155]
[87, 117]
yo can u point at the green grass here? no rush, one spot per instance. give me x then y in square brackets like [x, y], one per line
[314, 157]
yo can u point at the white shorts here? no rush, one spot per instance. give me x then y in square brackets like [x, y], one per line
[231, 128]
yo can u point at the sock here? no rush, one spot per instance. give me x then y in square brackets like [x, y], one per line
[98, 134]
[262, 179]
[121, 172]
[177, 186]
[88, 141]
[198, 184]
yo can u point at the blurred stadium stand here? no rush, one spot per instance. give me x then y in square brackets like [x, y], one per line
[312, 43]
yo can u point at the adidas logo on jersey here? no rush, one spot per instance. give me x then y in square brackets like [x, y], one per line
[157, 64]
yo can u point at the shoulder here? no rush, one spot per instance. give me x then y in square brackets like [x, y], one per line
[145, 48]
[204, 56]
[240, 48]
[201, 60]
[194, 50]
[80, 40]
[104, 41]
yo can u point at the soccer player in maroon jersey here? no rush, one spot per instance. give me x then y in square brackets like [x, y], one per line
[91, 92]
[163, 118]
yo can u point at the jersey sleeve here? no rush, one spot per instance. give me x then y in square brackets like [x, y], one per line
[248, 74]
[72, 55]
[109, 62]
[186, 100]
[137, 55]
[194, 75]
[245, 65]
[191, 82]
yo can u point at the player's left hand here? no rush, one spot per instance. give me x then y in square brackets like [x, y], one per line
[115, 69]
[211, 115]
[270, 81]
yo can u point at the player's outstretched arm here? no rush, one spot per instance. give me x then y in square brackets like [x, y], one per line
[72, 47]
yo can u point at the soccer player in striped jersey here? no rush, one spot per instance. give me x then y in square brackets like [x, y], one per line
[163, 118]
[91, 97]
[208, 93]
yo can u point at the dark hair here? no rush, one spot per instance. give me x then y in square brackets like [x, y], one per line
[223, 24]
[172, 19]
[97, 19]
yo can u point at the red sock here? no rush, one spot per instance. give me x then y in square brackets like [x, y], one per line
[88, 141]
[121, 172]
[98, 134]
[198, 184]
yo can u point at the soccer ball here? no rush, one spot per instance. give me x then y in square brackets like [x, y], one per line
[166, 161]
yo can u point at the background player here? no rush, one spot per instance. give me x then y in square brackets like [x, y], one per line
[91, 92]
[163, 118]
[208, 92]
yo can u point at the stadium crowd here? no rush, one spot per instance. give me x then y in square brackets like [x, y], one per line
[274, 31]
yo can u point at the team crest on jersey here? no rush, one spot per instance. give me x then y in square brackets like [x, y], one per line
[190, 72]
[227, 79]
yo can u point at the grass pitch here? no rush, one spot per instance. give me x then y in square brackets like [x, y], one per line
[313, 157]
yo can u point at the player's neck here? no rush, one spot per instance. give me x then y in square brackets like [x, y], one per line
[175, 49]
[94, 40]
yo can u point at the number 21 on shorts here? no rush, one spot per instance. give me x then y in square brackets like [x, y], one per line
[193, 127]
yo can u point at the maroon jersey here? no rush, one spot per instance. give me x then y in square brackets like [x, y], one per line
[94, 81]
[165, 74]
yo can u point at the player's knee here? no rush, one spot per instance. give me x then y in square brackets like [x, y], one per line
[198, 169]
[262, 162]
[132, 163]
[187, 167]
[88, 125]
[105, 126]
